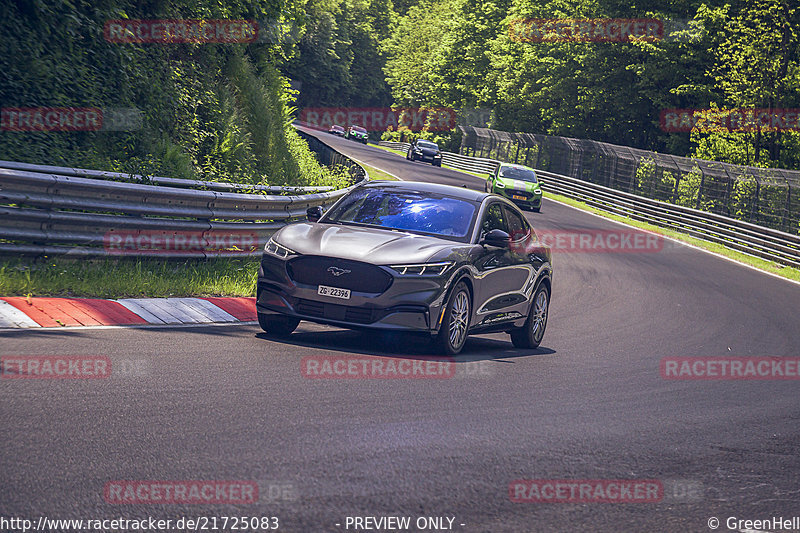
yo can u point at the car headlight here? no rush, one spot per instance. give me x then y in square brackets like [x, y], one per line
[422, 269]
[278, 250]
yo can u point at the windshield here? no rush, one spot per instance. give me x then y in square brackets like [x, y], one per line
[358, 129]
[427, 144]
[516, 173]
[407, 211]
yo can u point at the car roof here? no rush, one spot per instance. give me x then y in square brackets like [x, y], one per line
[516, 165]
[419, 186]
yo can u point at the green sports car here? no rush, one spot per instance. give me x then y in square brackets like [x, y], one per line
[518, 183]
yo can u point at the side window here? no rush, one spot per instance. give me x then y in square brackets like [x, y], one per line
[517, 226]
[493, 219]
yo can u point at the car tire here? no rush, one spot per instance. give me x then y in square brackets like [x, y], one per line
[530, 335]
[277, 325]
[455, 323]
[434, 163]
[537, 209]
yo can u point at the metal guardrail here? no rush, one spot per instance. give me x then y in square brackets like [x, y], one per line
[450, 159]
[47, 210]
[763, 196]
[751, 239]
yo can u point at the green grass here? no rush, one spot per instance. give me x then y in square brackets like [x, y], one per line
[377, 174]
[398, 152]
[762, 264]
[121, 278]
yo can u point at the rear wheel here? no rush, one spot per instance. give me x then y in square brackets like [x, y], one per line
[530, 335]
[455, 323]
[437, 163]
[280, 326]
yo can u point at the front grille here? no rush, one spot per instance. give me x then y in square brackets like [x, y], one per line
[345, 313]
[353, 275]
[310, 308]
[512, 193]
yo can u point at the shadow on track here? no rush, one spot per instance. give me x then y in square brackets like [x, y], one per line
[390, 344]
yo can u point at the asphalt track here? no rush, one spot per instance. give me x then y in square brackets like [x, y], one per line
[227, 403]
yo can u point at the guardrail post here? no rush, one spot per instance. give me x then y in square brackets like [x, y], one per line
[700, 188]
[788, 205]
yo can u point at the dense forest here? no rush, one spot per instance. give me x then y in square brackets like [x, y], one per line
[223, 110]
[206, 109]
[463, 54]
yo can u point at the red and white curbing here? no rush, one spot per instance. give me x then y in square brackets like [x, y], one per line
[26, 312]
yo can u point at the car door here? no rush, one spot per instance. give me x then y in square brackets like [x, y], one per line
[503, 274]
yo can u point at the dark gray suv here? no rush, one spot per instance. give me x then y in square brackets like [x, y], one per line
[406, 256]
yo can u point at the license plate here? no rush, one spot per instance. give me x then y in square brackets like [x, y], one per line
[333, 292]
[518, 197]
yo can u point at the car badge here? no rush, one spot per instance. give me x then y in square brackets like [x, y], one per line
[336, 271]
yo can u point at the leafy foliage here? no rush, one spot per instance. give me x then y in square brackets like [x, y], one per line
[210, 111]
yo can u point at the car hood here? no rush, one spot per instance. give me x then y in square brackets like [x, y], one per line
[428, 151]
[382, 247]
[520, 185]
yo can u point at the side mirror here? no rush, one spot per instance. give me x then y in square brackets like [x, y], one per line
[497, 238]
[313, 214]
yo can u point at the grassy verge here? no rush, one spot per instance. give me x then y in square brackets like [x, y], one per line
[762, 264]
[121, 278]
[377, 174]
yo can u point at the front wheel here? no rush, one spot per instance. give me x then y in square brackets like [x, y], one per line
[455, 323]
[280, 326]
[530, 335]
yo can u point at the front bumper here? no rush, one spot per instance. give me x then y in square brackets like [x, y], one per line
[409, 304]
[432, 158]
[523, 198]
